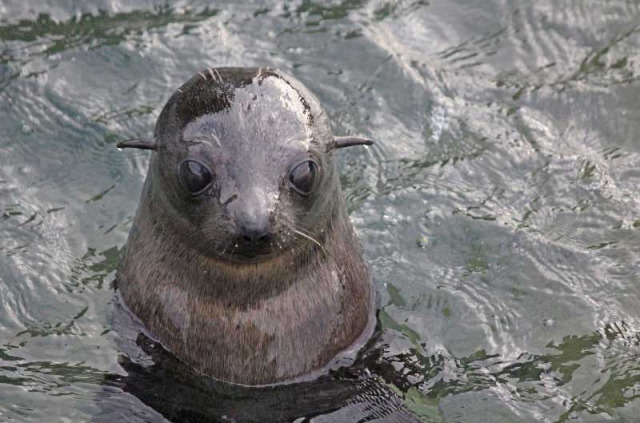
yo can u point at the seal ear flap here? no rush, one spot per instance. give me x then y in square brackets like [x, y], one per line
[341, 142]
[140, 143]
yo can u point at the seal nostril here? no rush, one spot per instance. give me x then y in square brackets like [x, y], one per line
[255, 236]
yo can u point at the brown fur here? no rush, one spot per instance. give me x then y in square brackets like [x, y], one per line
[253, 323]
[243, 321]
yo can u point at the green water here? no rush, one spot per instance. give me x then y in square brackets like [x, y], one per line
[499, 207]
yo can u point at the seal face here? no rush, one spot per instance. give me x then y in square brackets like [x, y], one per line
[241, 258]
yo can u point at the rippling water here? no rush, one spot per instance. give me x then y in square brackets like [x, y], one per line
[499, 208]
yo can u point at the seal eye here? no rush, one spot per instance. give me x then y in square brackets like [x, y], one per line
[303, 177]
[195, 176]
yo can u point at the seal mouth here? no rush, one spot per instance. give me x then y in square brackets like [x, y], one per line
[248, 258]
[245, 252]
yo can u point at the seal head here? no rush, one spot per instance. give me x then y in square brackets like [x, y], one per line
[241, 259]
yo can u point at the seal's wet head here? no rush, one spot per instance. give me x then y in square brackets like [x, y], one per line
[248, 157]
[242, 154]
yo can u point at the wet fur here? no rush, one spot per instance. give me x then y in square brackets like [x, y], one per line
[244, 322]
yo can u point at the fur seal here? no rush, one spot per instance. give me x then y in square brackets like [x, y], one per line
[241, 259]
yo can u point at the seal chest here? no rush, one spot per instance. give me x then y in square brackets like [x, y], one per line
[241, 259]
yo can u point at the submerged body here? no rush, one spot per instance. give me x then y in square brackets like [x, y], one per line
[241, 259]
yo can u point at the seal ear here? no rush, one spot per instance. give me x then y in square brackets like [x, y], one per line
[142, 144]
[341, 142]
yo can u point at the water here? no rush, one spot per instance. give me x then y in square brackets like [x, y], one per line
[499, 208]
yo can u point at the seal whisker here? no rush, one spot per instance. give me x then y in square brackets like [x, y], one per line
[295, 231]
[306, 231]
[297, 225]
[216, 139]
[226, 245]
[220, 80]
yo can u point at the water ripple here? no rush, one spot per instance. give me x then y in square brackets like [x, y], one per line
[498, 207]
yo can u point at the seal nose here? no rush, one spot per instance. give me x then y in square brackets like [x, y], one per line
[252, 216]
[255, 234]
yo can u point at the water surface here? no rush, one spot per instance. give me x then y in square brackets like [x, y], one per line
[499, 207]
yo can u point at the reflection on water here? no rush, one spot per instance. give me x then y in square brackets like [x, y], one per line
[499, 208]
[46, 36]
